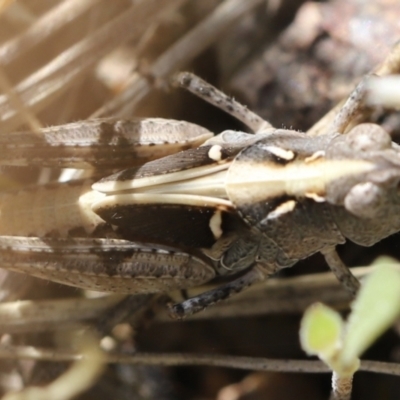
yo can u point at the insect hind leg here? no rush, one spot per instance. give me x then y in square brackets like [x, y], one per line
[212, 95]
[342, 273]
[202, 301]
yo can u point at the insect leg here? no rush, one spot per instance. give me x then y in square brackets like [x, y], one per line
[105, 265]
[202, 301]
[212, 95]
[342, 273]
[352, 110]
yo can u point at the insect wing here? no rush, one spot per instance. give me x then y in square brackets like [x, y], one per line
[179, 200]
[183, 166]
[178, 220]
[107, 143]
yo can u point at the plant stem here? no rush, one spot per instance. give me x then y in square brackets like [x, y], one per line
[341, 387]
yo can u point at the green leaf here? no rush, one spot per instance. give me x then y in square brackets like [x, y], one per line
[374, 310]
[321, 330]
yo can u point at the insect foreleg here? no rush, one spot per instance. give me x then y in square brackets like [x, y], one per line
[352, 110]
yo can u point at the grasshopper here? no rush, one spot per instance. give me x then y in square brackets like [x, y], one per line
[190, 206]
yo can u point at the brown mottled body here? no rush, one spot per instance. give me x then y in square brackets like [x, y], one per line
[234, 204]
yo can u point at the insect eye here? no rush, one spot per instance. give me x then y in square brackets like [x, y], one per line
[365, 200]
[369, 137]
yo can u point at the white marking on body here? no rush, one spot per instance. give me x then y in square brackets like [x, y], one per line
[315, 196]
[215, 153]
[87, 218]
[112, 184]
[215, 224]
[318, 154]
[284, 208]
[144, 198]
[281, 153]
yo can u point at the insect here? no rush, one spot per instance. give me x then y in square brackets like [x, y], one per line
[190, 206]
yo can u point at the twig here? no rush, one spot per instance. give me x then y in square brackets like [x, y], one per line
[41, 87]
[290, 295]
[80, 377]
[178, 55]
[179, 359]
[43, 28]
